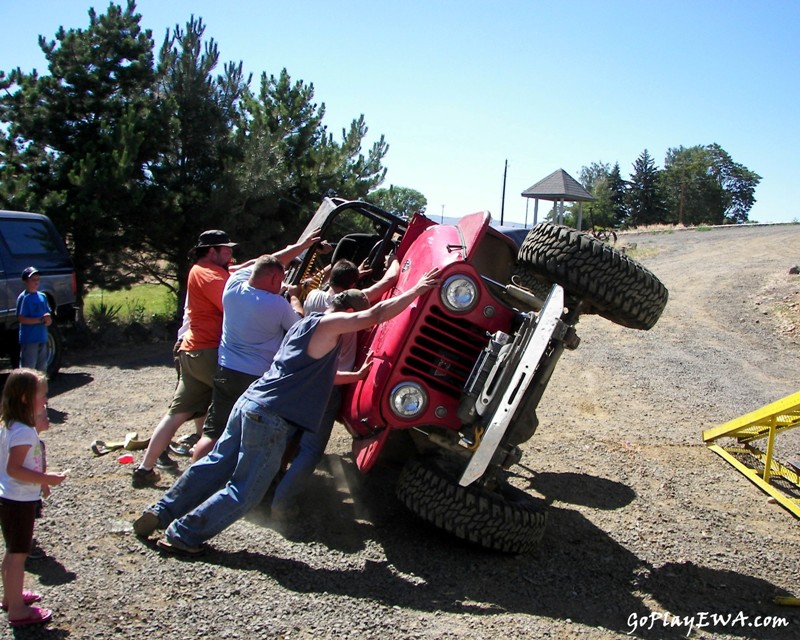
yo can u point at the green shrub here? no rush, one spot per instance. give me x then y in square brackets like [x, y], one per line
[102, 315]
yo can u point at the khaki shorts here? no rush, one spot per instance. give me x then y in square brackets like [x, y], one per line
[193, 393]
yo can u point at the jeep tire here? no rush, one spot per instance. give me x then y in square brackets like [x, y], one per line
[507, 519]
[615, 286]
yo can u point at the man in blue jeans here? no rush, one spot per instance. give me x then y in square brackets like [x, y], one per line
[222, 487]
[311, 446]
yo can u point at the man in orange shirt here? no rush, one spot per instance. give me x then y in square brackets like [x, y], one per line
[198, 350]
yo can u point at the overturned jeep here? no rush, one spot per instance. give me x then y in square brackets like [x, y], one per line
[458, 375]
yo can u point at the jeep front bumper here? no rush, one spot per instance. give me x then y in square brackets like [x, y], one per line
[523, 369]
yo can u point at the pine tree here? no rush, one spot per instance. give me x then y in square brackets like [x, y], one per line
[645, 201]
[193, 173]
[80, 140]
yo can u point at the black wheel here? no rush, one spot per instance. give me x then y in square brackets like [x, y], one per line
[616, 287]
[506, 519]
[55, 350]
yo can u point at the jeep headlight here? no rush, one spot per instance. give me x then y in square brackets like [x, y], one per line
[459, 293]
[408, 400]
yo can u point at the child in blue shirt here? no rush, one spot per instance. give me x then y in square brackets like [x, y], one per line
[33, 314]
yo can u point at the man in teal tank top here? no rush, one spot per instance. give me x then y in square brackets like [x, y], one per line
[222, 487]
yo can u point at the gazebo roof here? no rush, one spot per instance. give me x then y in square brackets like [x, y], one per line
[559, 185]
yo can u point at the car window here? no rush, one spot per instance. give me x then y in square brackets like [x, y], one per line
[28, 238]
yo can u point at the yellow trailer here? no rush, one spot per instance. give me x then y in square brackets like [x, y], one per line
[762, 426]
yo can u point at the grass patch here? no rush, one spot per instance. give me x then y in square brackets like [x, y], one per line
[640, 253]
[140, 303]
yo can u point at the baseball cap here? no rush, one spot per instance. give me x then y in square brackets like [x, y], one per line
[351, 299]
[27, 272]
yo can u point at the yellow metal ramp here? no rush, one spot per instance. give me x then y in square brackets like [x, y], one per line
[781, 481]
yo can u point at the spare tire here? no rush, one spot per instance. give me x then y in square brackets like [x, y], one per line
[615, 286]
[506, 519]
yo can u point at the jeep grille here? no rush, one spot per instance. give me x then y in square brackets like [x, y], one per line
[444, 351]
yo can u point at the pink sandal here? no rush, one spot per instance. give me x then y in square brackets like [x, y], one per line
[35, 616]
[28, 598]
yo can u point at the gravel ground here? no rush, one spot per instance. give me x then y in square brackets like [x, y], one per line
[644, 521]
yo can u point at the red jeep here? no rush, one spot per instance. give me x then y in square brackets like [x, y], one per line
[460, 373]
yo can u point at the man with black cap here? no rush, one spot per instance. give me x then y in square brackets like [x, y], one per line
[33, 315]
[199, 349]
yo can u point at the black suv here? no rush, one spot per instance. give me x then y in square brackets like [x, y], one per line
[31, 239]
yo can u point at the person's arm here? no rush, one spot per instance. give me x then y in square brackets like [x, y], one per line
[293, 295]
[348, 377]
[389, 279]
[23, 309]
[16, 470]
[332, 325]
[290, 252]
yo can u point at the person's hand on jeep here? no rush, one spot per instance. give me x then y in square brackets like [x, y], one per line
[428, 281]
[294, 290]
[314, 237]
[47, 319]
[361, 374]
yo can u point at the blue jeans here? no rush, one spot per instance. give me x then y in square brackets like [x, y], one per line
[222, 487]
[33, 355]
[310, 452]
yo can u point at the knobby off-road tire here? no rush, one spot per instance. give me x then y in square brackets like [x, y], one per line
[508, 520]
[616, 287]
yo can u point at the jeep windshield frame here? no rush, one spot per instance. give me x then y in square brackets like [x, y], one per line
[337, 218]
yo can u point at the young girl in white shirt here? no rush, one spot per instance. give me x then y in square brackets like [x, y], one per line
[23, 481]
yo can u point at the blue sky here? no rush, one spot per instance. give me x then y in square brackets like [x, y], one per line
[460, 87]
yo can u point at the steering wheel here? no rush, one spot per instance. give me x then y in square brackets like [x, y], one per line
[375, 260]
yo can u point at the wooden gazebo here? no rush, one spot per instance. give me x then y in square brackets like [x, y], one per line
[559, 187]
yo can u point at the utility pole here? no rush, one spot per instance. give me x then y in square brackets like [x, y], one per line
[503, 201]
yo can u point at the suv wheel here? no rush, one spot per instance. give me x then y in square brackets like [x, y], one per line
[506, 519]
[617, 288]
[55, 350]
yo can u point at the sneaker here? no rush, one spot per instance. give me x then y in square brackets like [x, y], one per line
[146, 523]
[145, 477]
[165, 462]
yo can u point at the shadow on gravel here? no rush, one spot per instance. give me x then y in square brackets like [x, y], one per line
[579, 573]
[581, 489]
[50, 571]
[68, 381]
[126, 356]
